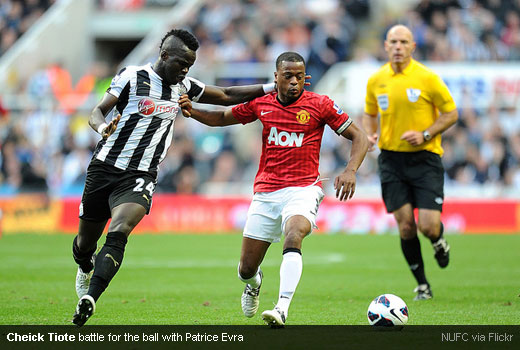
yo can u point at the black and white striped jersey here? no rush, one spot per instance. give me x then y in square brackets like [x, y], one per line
[148, 109]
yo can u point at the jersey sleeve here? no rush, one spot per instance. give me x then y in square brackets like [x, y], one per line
[441, 96]
[194, 88]
[370, 99]
[334, 116]
[245, 112]
[119, 82]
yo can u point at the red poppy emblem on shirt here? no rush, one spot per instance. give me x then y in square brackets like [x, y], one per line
[146, 106]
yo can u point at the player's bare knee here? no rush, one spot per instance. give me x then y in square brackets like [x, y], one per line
[407, 230]
[429, 230]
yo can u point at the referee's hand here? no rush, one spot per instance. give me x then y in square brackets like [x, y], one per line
[372, 141]
[414, 138]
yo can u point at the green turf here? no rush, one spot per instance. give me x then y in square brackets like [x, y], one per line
[191, 279]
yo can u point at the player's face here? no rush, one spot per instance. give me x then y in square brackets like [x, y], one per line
[399, 45]
[290, 78]
[177, 63]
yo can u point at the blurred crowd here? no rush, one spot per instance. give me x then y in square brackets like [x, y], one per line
[48, 147]
[322, 31]
[16, 17]
[465, 30]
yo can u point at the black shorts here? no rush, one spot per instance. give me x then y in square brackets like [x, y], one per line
[106, 187]
[411, 177]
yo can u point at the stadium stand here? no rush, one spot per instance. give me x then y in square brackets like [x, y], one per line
[16, 17]
[46, 144]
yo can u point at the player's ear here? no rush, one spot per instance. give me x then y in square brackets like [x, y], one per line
[275, 77]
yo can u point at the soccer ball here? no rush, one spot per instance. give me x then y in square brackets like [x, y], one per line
[387, 310]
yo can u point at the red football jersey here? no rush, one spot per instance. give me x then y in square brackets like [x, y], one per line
[291, 137]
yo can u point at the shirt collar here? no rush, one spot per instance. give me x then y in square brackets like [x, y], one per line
[405, 71]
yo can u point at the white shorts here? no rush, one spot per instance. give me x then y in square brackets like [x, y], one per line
[269, 211]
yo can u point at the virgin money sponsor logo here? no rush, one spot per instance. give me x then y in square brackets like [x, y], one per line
[146, 106]
[166, 109]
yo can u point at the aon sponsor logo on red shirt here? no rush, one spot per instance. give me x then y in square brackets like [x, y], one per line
[284, 138]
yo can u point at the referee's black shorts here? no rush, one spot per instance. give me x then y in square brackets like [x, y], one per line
[411, 177]
[106, 187]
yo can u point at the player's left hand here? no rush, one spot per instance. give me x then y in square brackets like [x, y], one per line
[345, 185]
[414, 138]
[185, 104]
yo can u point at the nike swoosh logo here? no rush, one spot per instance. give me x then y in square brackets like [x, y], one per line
[147, 83]
[107, 255]
[284, 297]
[264, 113]
[147, 200]
[393, 313]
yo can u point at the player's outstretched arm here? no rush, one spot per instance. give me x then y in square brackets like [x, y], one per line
[99, 113]
[214, 118]
[227, 96]
[233, 95]
[345, 183]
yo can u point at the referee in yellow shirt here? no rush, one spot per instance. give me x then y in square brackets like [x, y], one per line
[415, 107]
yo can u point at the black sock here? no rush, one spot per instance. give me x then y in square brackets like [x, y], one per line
[108, 262]
[436, 239]
[83, 259]
[294, 250]
[412, 253]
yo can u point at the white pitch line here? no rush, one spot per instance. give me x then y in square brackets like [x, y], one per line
[333, 258]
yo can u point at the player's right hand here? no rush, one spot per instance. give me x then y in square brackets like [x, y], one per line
[372, 141]
[185, 104]
[111, 127]
[345, 185]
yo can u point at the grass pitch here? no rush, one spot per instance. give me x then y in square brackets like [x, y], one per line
[192, 280]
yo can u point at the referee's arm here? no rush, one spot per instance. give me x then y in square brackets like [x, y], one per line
[370, 124]
[445, 120]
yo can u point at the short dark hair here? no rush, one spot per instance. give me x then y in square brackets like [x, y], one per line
[186, 37]
[289, 57]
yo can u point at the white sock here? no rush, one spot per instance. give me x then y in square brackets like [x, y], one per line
[290, 273]
[254, 281]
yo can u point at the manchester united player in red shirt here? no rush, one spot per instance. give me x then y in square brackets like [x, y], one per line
[287, 186]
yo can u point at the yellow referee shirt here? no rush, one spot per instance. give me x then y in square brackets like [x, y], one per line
[409, 100]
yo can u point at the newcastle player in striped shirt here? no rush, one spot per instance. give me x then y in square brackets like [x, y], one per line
[121, 177]
[287, 186]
